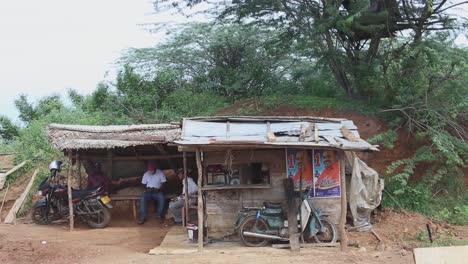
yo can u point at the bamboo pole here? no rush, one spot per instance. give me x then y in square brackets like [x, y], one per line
[3, 201]
[70, 203]
[200, 202]
[341, 226]
[186, 189]
[78, 164]
[11, 217]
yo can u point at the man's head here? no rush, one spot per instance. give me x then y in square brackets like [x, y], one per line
[92, 167]
[180, 174]
[329, 157]
[151, 167]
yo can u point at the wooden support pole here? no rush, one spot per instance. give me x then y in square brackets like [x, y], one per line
[3, 201]
[78, 165]
[200, 202]
[109, 164]
[186, 189]
[341, 226]
[292, 215]
[70, 203]
[11, 217]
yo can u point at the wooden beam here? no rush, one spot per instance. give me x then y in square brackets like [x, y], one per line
[3, 201]
[200, 202]
[349, 135]
[160, 139]
[11, 217]
[341, 226]
[292, 215]
[143, 157]
[5, 175]
[78, 165]
[186, 189]
[69, 190]
[109, 164]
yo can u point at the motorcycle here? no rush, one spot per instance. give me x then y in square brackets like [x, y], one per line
[91, 205]
[257, 226]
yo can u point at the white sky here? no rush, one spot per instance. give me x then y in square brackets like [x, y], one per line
[49, 46]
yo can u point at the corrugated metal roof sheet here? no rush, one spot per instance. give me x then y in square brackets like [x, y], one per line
[304, 131]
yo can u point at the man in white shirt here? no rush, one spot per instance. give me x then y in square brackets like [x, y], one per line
[155, 181]
[179, 202]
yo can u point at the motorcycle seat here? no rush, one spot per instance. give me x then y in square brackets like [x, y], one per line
[83, 193]
[272, 205]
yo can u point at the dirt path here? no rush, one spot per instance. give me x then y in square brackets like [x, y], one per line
[125, 242]
[30, 243]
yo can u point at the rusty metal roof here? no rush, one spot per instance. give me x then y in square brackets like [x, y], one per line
[273, 131]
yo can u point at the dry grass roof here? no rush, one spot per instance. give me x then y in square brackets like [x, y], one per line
[74, 137]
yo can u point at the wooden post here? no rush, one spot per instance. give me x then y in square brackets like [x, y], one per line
[78, 165]
[292, 215]
[341, 226]
[3, 201]
[186, 189]
[200, 202]
[70, 203]
[109, 164]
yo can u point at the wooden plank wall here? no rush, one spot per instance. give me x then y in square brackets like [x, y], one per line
[222, 205]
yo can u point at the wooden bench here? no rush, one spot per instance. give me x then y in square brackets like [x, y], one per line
[127, 197]
[134, 198]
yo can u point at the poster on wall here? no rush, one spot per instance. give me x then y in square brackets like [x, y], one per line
[299, 163]
[326, 165]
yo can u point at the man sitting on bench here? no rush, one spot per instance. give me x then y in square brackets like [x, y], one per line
[177, 203]
[155, 181]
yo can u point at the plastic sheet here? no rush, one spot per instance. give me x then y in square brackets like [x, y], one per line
[365, 192]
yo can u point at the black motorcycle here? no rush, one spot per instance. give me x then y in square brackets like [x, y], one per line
[91, 205]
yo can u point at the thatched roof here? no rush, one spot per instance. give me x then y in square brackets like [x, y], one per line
[74, 137]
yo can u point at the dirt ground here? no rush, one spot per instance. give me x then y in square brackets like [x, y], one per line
[129, 243]
[126, 242]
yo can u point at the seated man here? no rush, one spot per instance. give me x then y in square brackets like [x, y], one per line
[155, 180]
[96, 177]
[176, 204]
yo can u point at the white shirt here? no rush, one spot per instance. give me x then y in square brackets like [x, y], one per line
[154, 180]
[192, 186]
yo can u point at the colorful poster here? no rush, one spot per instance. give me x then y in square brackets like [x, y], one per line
[326, 174]
[299, 163]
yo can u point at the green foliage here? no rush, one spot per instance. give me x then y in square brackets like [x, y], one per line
[387, 139]
[440, 194]
[316, 102]
[230, 60]
[8, 130]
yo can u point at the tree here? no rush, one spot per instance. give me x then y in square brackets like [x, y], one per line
[346, 34]
[232, 60]
[8, 130]
[30, 112]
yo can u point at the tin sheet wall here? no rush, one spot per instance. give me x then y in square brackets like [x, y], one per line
[222, 205]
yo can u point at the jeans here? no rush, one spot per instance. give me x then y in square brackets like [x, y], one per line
[146, 197]
[175, 208]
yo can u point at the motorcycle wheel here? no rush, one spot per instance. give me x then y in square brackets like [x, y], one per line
[249, 225]
[99, 220]
[44, 215]
[329, 235]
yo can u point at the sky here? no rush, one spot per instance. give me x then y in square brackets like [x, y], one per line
[49, 46]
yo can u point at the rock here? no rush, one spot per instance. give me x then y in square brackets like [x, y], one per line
[380, 247]
[362, 250]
